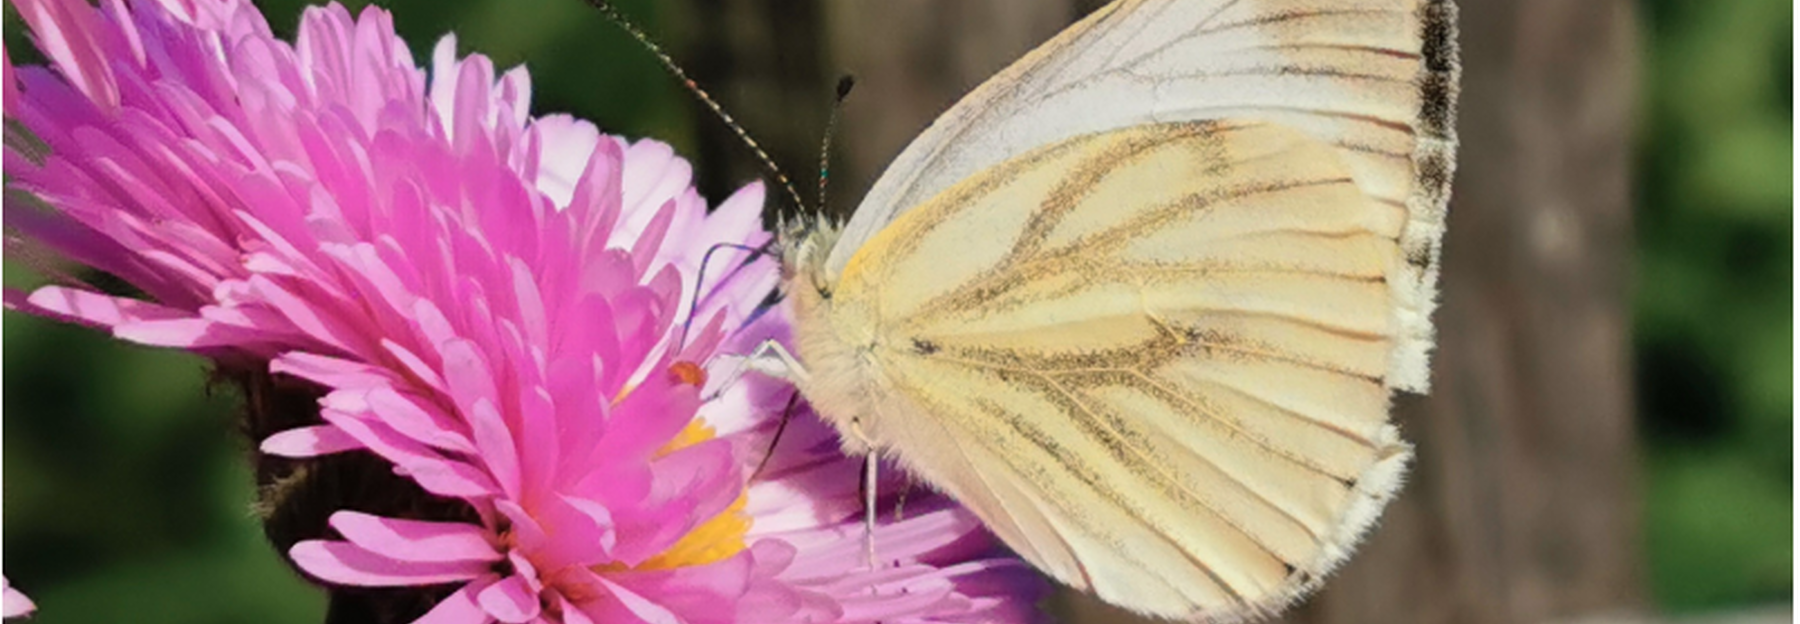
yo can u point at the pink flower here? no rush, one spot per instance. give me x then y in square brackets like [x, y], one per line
[493, 304]
[13, 603]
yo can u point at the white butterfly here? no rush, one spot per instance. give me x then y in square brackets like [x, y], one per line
[1139, 301]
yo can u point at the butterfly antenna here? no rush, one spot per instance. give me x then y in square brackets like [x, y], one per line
[613, 14]
[844, 85]
[700, 281]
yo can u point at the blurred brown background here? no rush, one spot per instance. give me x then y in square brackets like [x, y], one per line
[1610, 432]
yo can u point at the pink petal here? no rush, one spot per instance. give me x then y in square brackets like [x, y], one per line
[99, 309]
[467, 376]
[460, 607]
[415, 540]
[436, 473]
[417, 419]
[509, 601]
[310, 442]
[639, 606]
[572, 614]
[188, 333]
[347, 564]
[67, 31]
[526, 532]
[496, 443]
[331, 372]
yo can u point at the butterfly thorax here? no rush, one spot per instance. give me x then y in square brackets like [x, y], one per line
[834, 337]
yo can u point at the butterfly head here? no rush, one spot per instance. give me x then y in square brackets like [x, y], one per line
[806, 243]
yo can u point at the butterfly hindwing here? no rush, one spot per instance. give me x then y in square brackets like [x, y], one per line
[1152, 359]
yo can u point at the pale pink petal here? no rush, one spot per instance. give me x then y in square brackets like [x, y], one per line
[644, 609]
[415, 540]
[68, 32]
[102, 310]
[329, 371]
[509, 600]
[187, 333]
[572, 614]
[436, 473]
[496, 443]
[347, 564]
[461, 607]
[417, 419]
[309, 442]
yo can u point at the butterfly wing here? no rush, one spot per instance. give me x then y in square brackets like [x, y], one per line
[1376, 79]
[1154, 360]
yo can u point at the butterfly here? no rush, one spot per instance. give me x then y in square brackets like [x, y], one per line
[1140, 300]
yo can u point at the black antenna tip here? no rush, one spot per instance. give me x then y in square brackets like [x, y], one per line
[845, 83]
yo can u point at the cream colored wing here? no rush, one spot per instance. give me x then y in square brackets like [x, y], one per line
[1153, 360]
[1374, 78]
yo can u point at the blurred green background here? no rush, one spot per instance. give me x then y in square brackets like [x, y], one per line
[126, 496]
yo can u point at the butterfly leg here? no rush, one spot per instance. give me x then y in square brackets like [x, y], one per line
[870, 487]
[774, 360]
[770, 359]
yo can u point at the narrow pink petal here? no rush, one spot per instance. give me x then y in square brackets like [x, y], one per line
[99, 309]
[434, 472]
[531, 303]
[582, 538]
[189, 334]
[415, 540]
[306, 312]
[496, 443]
[644, 608]
[413, 365]
[347, 564]
[418, 419]
[650, 240]
[653, 175]
[572, 614]
[67, 31]
[467, 376]
[509, 600]
[331, 372]
[523, 568]
[460, 607]
[443, 80]
[310, 442]
[527, 533]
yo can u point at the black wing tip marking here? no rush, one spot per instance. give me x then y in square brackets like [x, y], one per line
[1440, 70]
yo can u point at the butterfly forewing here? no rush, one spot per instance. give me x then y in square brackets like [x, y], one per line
[1067, 344]
[1374, 79]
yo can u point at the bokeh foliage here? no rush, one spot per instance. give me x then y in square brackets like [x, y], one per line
[127, 498]
[1714, 328]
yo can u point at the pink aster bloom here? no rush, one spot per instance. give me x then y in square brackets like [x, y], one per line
[495, 305]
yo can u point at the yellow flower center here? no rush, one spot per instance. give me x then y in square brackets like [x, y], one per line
[717, 539]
